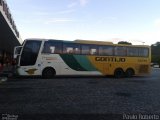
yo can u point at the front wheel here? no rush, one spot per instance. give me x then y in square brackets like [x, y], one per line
[48, 73]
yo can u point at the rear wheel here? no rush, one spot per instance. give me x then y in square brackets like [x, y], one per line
[48, 73]
[129, 72]
[118, 73]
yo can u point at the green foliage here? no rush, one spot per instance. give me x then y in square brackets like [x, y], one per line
[155, 58]
[124, 42]
[155, 48]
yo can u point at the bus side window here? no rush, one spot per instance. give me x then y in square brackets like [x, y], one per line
[52, 47]
[120, 51]
[132, 51]
[77, 50]
[143, 52]
[71, 48]
[106, 50]
[85, 50]
[46, 48]
[93, 51]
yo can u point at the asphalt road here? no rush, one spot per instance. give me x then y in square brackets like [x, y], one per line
[81, 97]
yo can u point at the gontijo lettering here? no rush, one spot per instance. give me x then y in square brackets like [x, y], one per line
[110, 59]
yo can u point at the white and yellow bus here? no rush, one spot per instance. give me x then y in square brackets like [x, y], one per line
[49, 57]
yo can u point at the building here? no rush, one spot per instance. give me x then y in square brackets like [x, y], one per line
[9, 35]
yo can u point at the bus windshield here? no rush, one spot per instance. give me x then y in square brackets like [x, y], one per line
[30, 53]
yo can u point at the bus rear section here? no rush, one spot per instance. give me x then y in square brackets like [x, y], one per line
[122, 66]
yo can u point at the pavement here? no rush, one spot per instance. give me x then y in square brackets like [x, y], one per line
[71, 98]
[6, 73]
[3, 79]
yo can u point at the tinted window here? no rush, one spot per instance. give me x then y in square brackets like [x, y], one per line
[30, 53]
[52, 47]
[131, 51]
[120, 51]
[143, 52]
[93, 50]
[85, 49]
[89, 49]
[105, 50]
[71, 48]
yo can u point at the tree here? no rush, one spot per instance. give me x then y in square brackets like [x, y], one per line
[124, 42]
[155, 48]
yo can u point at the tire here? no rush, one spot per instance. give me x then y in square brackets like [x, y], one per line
[118, 73]
[48, 73]
[129, 73]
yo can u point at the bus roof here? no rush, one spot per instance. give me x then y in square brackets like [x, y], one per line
[89, 42]
[93, 42]
[106, 43]
[132, 45]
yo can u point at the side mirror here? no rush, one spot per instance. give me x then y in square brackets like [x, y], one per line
[17, 51]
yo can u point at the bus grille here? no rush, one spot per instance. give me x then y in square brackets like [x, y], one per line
[143, 69]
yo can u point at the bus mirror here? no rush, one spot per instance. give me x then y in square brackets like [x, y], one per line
[17, 51]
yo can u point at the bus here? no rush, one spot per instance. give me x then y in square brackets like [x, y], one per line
[50, 57]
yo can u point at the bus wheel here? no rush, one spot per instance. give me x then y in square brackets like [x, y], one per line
[48, 73]
[118, 73]
[129, 72]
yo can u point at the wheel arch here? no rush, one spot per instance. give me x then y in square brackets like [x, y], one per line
[116, 72]
[48, 68]
[118, 68]
[131, 68]
[129, 72]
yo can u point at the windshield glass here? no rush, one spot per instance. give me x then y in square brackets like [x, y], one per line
[30, 53]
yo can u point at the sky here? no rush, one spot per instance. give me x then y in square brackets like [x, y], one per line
[135, 21]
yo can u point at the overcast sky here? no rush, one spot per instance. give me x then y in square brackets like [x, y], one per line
[134, 21]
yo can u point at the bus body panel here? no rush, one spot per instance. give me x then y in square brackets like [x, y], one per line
[56, 62]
